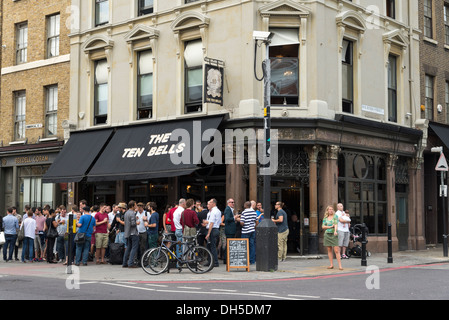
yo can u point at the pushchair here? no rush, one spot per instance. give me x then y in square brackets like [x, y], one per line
[356, 236]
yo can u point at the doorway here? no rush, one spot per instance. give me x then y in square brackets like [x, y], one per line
[402, 220]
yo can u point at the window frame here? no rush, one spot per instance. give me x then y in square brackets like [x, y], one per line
[53, 37]
[51, 94]
[19, 115]
[22, 42]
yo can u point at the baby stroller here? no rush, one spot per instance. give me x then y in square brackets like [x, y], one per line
[356, 236]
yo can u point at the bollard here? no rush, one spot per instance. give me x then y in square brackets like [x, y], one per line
[70, 245]
[267, 246]
[364, 264]
[390, 245]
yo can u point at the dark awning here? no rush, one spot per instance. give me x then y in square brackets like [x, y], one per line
[148, 151]
[77, 156]
[442, 131]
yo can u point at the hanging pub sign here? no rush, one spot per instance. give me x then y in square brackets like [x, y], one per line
[213, 89]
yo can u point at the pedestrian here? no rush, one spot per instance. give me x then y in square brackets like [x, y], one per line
[152, 225]
[131, 236]
[75, 214]
[61, 220]
[177, 215]
[119, 223]
[10, 225]
[229, 219]
[189, 219]
[259, 211]
[52, 234]
[248, 220]
[101, 234]
[202, 216]
[142, 216]
[343, 229]
[283, 231]
[212, 224]
[18, 241]
[29, 227]
[330, 227]
[85, 225]
[39, 240]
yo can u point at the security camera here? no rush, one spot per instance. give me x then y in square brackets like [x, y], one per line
[263, 35]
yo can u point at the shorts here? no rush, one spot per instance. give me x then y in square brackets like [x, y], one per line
[101, 240]
[343, 239]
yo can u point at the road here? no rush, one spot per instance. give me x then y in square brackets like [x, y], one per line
[428, 282]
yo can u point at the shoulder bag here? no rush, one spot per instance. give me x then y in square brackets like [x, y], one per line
[80, 237]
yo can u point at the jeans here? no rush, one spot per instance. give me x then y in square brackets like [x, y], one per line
[82, 251]
[120, 238]
[252, 245]
[212, 244]
[60, 247]
[132, 245]
[28, 246]
[10, 241]
[178, 234]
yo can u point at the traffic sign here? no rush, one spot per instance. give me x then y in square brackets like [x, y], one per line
[442, 164]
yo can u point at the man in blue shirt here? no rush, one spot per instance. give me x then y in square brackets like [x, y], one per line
[282, 224]
[153, 226]
[10, 225]
[86, 225]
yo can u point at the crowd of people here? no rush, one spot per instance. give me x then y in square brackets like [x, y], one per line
[43, 233]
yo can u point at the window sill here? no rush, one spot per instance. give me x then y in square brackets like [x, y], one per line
[432, 41]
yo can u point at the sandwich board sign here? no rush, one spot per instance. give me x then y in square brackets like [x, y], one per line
[442, 164]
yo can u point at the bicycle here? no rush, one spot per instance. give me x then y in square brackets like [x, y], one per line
[197, 258]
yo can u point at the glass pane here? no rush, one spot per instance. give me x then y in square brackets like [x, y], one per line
[368, 216]
[102, 12]
[102, 99]
[354, 191]
[368, 191]
[381, 218]
[347, 82]
[194, 85]
[146, 85]
[354, 212]
[284, 76]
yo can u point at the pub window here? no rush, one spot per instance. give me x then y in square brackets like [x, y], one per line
[363, 189]
[101, 92]
[347, 76]
[428, 18]
[284, 53]
[19, 120]
[392, 89]
[145, 85]
[193, 58]
[51, 113]
[53, 31]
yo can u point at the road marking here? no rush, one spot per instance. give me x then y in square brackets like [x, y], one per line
[191, 288]
[303, 296]
[262, 293]
[224, 290]
[156, 285]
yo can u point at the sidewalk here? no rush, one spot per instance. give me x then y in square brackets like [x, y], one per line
[294, 267]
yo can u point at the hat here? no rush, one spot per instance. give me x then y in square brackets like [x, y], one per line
[141, 204]
[122, 205]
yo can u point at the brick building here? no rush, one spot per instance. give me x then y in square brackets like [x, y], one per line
[434, 100]
[35, 84]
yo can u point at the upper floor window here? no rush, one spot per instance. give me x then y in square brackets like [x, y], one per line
[101, 92]
[145, 85]
[392, 89]
[145, 7]
[446, 23]
[429, 96]
[101, 12]
[428, 19]
[51, 111]
[347, 61]
[284, 53]
[19, 119]
[193, 58]
[190, 1]
[391, 9]
[21, 42]
[53, 30]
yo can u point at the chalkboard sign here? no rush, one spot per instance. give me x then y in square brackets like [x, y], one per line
[238, 254]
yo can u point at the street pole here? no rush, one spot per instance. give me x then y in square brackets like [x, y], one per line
[267, 127]
[443, 208]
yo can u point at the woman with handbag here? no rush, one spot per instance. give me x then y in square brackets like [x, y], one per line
[52, 234]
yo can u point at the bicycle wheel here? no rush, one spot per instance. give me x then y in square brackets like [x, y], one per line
[154, 261]
[199, 260]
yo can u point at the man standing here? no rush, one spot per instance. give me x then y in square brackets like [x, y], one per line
[29, 228]
[131, 236]
[212, 225]
[39, 240]
[177, 215]
[119, 223]
[85, 225]
[61, 220]
[152, 225]
[101, 234]
[282, 224]
[10, 225]
[142, 216]
[248, 220]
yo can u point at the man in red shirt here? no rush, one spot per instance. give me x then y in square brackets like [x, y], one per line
[189, 219]
[101, 233]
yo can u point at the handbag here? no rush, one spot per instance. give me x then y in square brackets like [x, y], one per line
[2, 238]
[80, 237]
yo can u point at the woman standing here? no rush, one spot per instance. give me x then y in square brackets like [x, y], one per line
[330, 223]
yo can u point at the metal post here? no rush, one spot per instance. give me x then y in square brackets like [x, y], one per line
[267, 128]
[390, 245]
[443, 208]
[364, 264]
[70, 246]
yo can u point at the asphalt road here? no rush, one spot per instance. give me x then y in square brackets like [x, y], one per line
[423, 282]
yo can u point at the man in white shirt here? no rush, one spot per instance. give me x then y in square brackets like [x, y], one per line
[343, 229]
[212, 225]
[177, 215]
[29, 225]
